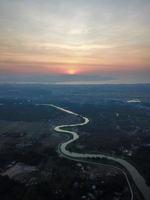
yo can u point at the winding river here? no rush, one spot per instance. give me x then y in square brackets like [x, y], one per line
[137, 178]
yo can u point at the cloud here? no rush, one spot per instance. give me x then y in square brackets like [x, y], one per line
[93, 36]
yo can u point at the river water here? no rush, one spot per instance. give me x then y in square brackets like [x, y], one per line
[136, 176]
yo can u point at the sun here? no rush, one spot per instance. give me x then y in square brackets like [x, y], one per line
[71, 72]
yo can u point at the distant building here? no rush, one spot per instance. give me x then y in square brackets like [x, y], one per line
[134, 101]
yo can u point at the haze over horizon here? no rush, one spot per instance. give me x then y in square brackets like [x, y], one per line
[82, 41]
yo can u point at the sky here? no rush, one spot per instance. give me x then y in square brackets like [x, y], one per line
[75, 41]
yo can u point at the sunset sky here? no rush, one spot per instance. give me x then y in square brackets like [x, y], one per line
[105, 41]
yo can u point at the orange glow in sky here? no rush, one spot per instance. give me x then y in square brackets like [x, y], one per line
[74, 37]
